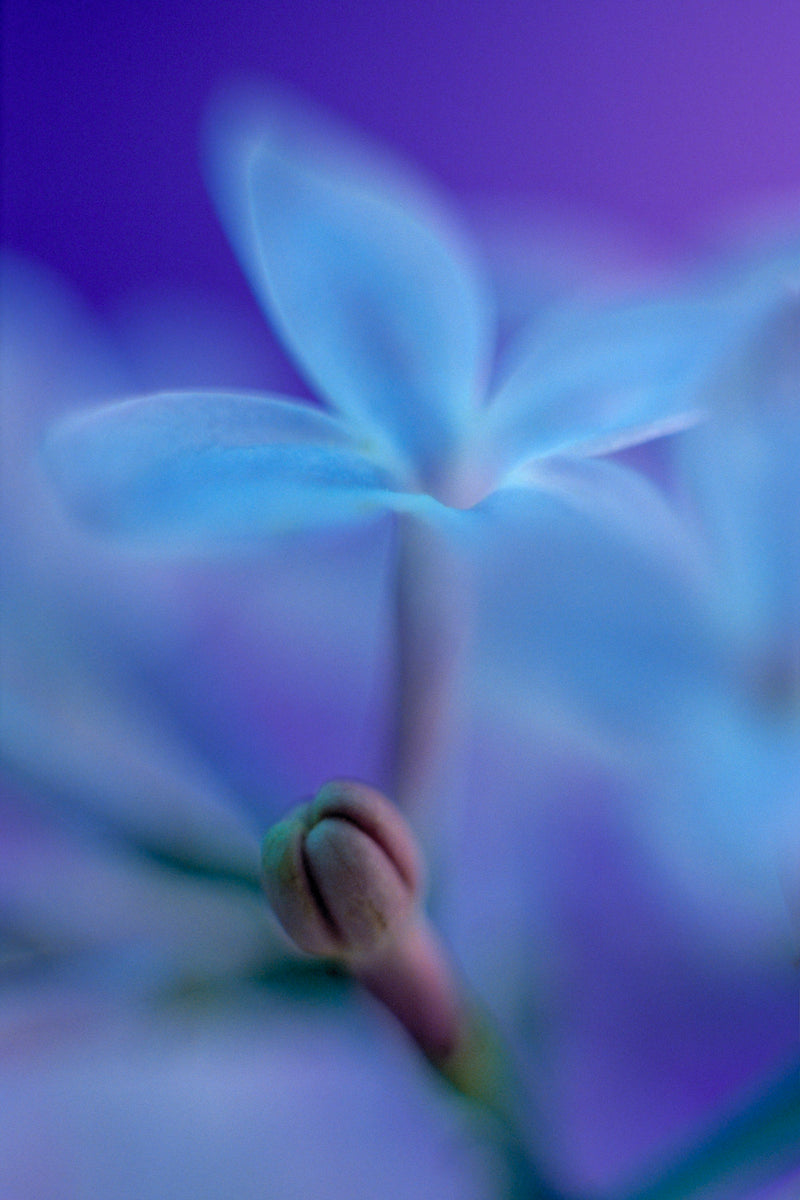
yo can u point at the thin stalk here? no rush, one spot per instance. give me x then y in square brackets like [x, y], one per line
[754, 1146]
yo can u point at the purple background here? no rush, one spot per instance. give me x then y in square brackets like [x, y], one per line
[658, 116]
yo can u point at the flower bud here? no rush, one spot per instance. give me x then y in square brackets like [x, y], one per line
[342, 873]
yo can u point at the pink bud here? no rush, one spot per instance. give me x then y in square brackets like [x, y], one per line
[342, 873]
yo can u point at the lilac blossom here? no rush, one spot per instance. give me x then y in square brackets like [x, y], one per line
[588, 615]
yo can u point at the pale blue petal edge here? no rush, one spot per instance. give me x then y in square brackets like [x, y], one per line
[591, 380]
[743, 469]
[365, 275]
[596, 379]
[624, 501]
[193, 470]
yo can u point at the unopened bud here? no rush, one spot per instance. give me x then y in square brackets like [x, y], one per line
[342, 873]
[343, 877]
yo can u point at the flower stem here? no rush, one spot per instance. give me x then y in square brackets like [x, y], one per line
[432, 620]
[753, 1147]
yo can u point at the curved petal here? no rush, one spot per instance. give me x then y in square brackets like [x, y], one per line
[743, 468]
[573, 612]
[364, 276]
[593, 380]
[260, 1098]
[624, 500]
[76, 894]
[195, 470]
[75, 731]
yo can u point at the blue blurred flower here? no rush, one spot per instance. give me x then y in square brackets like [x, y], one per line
[153, 1035]
[688, 839]
[736, 736]
[100, 794]
[705, 704]
[376, 294]
[590, 593]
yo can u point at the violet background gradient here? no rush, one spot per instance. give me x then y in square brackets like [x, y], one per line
[658, 116]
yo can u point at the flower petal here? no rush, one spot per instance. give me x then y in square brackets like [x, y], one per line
[624, 500]
[75, 727]
[364, 276]
[71, 893]
[188, 470]
[592, 380]
[575, 612]
[560, 911]
[723, 813]
[260, 1098]
[75, 730]
[743, 468]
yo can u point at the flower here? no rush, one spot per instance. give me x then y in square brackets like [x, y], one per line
[155, 1032]
[707, 710]
[737, 735]
[100, 794]
[376, 296]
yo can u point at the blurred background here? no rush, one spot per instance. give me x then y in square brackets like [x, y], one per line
[661, 120]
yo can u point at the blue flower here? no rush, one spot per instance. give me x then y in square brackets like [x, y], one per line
[585, 580]
[736, 734]
[145, 1040]
[99, 794]
[706, 701]
[377, 295]
[378, 298]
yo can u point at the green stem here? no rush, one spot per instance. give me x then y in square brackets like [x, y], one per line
[753, 1147]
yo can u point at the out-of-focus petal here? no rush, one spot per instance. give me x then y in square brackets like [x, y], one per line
[743, 469]
[624, 500]
[363, 274]
[597, 968]
[69, 893]
[264, 1100]
[540, 259]
[722, 812]
[74, 730]
[77, 726]
[595, 379]
[54, 355]
[730, 781]
[576, 612]
[188, 471]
